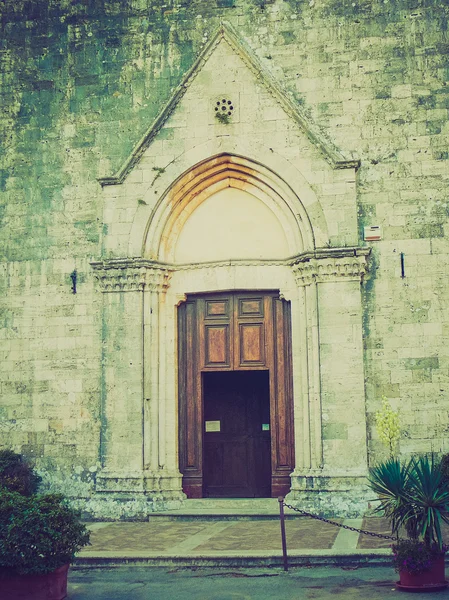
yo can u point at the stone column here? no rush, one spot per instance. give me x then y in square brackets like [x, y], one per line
[121, 445]
[162, 479]
[309, 449]
[331, 420]
[341, 359]
[133, 402]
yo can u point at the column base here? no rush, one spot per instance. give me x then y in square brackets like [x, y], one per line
[337, 495]
[133, 495]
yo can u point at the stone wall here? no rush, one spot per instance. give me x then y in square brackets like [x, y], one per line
[80, 85]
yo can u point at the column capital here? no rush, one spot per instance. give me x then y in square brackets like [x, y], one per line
[331, 265]
[130, 275]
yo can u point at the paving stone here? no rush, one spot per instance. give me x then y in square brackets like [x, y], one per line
[168, 536]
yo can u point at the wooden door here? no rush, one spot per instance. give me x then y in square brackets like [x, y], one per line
[236, 448]
[244, 331]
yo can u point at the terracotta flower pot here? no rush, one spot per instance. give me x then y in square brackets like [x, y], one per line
[47, 586]
[428, 581]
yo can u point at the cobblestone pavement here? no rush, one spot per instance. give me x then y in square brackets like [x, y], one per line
[378, 525]
[220, 536]
[215, 539]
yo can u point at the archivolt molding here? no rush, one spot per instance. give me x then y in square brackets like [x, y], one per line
[333, 265]
[212, 175]
[130, 275]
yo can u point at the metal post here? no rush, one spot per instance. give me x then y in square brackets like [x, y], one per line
[284, 539]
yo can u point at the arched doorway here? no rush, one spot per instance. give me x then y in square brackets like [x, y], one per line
[153, 298]
[235, 394]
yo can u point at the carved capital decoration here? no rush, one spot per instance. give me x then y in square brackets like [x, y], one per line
[331, 265]
[131, 275]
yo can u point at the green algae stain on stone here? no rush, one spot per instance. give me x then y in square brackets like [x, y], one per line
[422, 363]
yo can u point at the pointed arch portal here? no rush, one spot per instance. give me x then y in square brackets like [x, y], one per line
[229, 215]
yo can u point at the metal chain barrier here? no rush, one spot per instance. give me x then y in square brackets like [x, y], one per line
[305, 513]
[318, 518]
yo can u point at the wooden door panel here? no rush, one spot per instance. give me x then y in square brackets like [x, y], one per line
[282, 436]
[250, 307]
[217, 346]
[262, 465]
[190, 401]
[280, 395]
[237, 459]
[251, 345]
[216, 331]
[251, 322]
[193, 447]
[226, 457]
[213, 466]
[217, 308]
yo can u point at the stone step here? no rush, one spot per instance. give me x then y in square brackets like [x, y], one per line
[233, 503]
[213, 509]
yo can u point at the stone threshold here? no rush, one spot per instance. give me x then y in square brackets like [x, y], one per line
[225, 509]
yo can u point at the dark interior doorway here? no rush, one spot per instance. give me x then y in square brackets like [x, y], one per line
[237, 439]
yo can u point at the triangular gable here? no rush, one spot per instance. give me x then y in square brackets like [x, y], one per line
[227, 33]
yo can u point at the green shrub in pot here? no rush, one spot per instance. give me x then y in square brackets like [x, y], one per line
[39, 533]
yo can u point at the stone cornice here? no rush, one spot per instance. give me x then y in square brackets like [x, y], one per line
[130, 275]
[331, 265]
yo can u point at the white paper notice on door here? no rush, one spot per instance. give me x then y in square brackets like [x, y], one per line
[212, 426]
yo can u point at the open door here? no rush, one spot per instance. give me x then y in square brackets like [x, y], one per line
[231, 346]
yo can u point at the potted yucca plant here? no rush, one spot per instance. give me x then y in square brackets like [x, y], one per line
[414, 496]
[39, 535]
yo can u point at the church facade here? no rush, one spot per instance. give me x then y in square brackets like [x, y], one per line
[225, 240]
